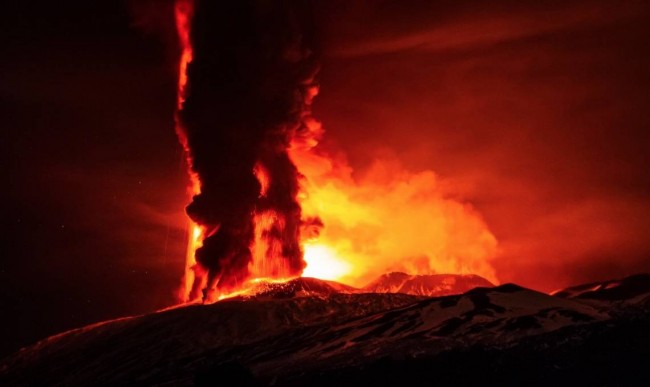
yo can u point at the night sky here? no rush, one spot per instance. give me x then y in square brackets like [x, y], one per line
[536, 115]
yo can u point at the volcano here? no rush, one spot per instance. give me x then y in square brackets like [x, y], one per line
[432, 285]
[317, 333]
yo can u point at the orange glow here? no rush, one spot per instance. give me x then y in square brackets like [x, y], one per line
[183, 13]
[323, 262]
[263, 177]
[267, 252]
[386, 219]
[249, 288]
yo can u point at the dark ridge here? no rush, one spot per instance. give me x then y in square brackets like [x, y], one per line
[614, 290]
[505, 288]
[627, 288]
[570, 291]
[509, 288]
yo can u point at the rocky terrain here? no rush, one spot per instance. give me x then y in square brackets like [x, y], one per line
[309, 332]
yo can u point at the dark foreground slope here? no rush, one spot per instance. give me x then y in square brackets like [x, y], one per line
[613, 354]
[505, 335]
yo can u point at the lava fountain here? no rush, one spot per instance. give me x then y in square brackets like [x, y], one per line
[267, 201]
[245, 89]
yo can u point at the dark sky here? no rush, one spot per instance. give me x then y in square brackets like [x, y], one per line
[537, 115]
[92, 204]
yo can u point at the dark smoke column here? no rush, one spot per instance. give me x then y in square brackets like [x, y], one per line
[248, 94]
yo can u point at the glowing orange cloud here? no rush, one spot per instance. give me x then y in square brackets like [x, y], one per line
[388, 219]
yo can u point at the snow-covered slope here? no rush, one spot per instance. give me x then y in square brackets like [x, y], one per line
[432, 285]
[280, 335]
[488, 316]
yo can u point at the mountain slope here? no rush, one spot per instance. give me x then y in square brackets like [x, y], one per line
[297, 287]
[282, 337]
[632, 289]
[144, 347]
[432, 285]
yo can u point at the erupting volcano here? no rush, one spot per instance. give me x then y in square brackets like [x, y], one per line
[246, 84]
[267, 202]
[470, 160]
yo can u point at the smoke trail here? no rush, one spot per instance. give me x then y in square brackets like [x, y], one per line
[248, 94]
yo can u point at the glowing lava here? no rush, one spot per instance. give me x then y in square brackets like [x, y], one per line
[323, 263]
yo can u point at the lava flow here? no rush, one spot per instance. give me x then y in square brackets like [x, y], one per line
[267, 202]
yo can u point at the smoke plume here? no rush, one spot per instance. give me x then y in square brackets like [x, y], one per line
[248, 94]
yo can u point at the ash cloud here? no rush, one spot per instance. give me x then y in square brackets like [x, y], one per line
[248, 94]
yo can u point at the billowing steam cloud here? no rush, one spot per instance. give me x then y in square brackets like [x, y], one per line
[248, 94]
